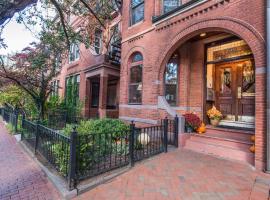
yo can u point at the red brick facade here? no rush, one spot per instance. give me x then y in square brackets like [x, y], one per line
[158, 40]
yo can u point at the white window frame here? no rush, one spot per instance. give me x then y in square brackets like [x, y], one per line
[74, 52]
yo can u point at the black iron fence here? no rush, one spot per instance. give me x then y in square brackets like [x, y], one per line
[10, 116]
[78, 157]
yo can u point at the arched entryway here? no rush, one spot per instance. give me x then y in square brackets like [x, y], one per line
[213, 69]
[216, 68]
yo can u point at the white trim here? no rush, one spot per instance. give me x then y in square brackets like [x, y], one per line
[260, 70]
[141, 120]
[153, 107]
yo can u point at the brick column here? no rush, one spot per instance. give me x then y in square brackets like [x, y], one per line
[103, 96]
[87, 99]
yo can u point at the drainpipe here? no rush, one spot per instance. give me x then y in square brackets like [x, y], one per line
[268, 86]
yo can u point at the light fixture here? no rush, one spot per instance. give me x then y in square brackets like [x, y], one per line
[203, 34]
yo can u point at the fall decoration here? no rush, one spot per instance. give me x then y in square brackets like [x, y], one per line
[214, 115]
[192, 121]
[252, 138]
[201, 129]
[252, 148]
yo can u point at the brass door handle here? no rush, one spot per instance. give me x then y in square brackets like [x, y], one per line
[239, 92]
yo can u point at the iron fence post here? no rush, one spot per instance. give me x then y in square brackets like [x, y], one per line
[131, 143]
[72, 160]
[166, 135]
[37, 136]
[176, 128]
[23, 118]
[16, 120]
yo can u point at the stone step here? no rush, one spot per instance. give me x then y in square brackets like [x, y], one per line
[219, 150]
[241, 135]
[230, 143]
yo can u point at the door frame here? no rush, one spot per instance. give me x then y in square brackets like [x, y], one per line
[212, 44]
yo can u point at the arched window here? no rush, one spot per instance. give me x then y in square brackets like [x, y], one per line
[135, 83]
[171, 80]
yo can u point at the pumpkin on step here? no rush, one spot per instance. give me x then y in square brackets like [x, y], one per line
[201, 129]
[252, 148]
[252, 138]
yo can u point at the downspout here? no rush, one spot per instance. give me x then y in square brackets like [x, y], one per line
[268, 86]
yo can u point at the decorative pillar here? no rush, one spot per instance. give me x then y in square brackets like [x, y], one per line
[87, 98]
[103, 96]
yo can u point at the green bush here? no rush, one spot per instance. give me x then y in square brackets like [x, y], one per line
[97, 138]
[99, 126]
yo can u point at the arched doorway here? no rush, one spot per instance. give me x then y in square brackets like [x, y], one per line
[213, 69]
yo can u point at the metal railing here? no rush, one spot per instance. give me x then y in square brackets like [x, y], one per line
[78, 157]
[100, 153]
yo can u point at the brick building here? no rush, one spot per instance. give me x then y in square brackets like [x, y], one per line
[180, 56]
[186, 56]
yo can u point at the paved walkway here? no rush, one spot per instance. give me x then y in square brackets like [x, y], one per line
[184, 175]
[20, 177]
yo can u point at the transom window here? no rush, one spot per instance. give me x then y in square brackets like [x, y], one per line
[171, 80]
[169, 5]
[137, 11]
[135, 83]
[74, 52]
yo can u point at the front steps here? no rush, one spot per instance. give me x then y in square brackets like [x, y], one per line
[226, 143]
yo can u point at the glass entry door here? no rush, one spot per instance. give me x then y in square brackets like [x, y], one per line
[235, 90]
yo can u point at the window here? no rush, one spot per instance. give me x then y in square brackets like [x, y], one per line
[169, 5]
[72, 90]
[97, 43]
[95, 94]
[171, 80]
[137, 11]
[135, 84]
[112, 95]
[74, 52]
[55, 88]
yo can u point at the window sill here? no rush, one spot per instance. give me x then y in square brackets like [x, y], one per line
[135, 25]
[134, 104]
[73, 64]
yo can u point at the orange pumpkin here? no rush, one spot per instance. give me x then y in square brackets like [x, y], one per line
[252, 138]
[252, 149]
[201, 129]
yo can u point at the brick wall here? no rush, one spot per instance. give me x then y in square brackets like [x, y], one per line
[157, 42]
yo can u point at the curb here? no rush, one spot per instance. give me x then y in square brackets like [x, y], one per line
[56, 180]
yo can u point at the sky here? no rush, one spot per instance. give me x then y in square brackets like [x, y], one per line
[16, 36]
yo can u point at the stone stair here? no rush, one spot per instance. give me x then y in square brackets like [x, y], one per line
[226, 143]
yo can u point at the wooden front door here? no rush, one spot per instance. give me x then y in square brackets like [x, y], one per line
[235, 90]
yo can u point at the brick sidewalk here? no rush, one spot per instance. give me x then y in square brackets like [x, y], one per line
[20, 177]
[184, 175]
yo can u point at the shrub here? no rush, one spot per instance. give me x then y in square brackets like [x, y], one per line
[97, 138]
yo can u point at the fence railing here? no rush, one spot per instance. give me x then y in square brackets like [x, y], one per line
[10, 116]
[77, 157]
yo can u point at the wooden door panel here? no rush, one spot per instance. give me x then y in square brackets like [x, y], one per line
[235, 90]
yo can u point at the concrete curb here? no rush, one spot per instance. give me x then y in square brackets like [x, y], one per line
[56, 180]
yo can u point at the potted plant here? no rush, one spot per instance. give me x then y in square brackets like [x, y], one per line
[214, 115]
[192, 122]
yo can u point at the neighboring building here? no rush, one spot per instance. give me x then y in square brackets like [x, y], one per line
[186, 56]
[178, 57]
[91, 75]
